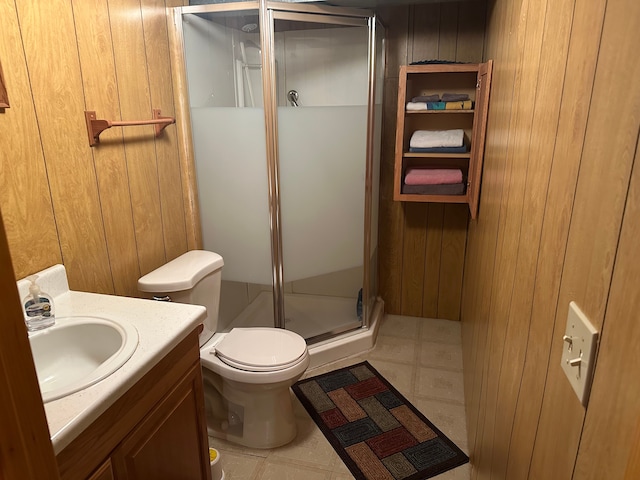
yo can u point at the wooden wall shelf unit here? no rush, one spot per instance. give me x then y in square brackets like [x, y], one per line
[427, 79]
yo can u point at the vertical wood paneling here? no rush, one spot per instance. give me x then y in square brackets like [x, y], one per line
[101, 95]
[454, 238]
[471, 27]
[168, 161]
[413, 258]
[425, 24]
[56, 86]
[595, 225]
[509, 232]
[23, 177]
[509, 227]
[100, 208]
[422, 220]
[433, 268]
[633, 465]
[550, 76]
[448, 44]
[135, 103]
[610, 425]
[485, 230]
[479, 265]
[391, 214]
[423, 32]
[581, 61]
[548, 232]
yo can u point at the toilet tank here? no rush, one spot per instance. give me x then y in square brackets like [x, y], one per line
[193, 278]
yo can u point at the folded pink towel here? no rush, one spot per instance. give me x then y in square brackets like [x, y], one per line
[432, 176]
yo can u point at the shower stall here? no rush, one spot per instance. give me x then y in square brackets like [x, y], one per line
[283, 102]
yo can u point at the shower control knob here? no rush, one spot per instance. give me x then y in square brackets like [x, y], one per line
[292, 95]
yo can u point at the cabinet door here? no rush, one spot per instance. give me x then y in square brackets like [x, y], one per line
[171, 442]
[105, 472]
[479, 131]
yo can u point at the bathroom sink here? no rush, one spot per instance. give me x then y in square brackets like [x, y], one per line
[79, 351]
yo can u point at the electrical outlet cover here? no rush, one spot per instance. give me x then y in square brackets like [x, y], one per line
[578, 352]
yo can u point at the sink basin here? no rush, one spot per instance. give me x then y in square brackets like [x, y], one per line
[78, 352]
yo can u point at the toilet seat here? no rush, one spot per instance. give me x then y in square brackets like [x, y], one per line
[261, 349]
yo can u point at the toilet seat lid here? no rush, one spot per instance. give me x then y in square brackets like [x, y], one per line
[261, 349]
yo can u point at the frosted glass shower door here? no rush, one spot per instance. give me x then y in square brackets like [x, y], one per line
[322, 168]
[222, 56]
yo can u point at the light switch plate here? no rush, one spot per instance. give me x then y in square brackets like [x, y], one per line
[578, 352]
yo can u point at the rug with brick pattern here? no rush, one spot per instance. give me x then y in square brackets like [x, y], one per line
[378, 434]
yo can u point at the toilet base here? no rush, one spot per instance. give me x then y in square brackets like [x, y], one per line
[256, 416]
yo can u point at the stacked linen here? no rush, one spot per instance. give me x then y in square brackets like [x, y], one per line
[437, 141]
[433, 181]
[449, 101]
[461, 105]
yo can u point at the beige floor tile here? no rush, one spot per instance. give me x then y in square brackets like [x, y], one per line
[449, 418]
[441, 331]
[221, 445]
[339, 468]
[240, 467]
[397, 326]
[399, 375]
[420, 357]
[276, 470]
[341, 476]
[310, 448]
[400, 350]
[463, 472]
[440, 384]
[441, 355]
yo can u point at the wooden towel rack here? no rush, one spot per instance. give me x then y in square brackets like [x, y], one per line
[95, 127]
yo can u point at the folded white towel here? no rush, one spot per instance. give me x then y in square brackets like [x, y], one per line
[413, 106]
[437, 138]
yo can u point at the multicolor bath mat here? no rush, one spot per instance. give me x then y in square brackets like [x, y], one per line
[378, 434]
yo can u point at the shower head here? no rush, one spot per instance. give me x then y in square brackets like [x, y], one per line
[249, 27]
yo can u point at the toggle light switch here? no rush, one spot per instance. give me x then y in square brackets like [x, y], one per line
[578, 352]
[576, 362]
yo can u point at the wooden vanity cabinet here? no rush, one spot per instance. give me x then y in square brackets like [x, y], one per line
[166, 444]
[105, 472]
[156, 430]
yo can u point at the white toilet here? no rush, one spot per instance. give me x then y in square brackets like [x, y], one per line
[248, 371]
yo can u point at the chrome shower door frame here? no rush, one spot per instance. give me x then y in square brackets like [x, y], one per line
[268, 13]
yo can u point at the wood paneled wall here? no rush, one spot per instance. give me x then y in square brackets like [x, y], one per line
[112, 212]
[558, 221]
[422, 246]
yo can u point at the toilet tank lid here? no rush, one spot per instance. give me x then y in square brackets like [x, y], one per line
[181, 273]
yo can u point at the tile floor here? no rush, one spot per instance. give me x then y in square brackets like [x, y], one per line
[422, 358]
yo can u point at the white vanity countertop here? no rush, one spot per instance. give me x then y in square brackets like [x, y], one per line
[160, 325]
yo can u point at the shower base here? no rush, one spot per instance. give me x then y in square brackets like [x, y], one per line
[329, 324]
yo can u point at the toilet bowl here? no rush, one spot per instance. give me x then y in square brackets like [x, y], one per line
[247, 372]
